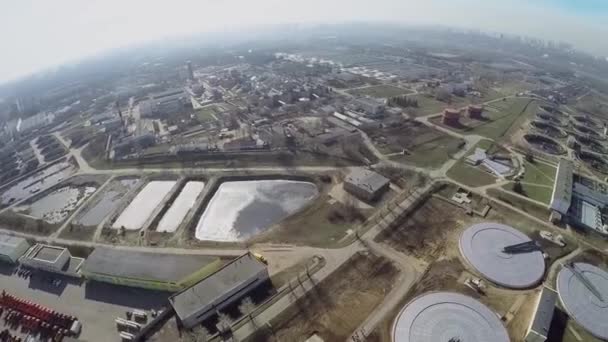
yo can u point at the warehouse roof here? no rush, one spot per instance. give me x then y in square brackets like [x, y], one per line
[230, 276]
[544, 312]
[144, 265]
[367, 179]
[8, 243]
[561, 198]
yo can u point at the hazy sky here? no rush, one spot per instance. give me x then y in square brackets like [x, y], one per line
[36, 34]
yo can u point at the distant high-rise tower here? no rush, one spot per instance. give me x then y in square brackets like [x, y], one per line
[190, 71]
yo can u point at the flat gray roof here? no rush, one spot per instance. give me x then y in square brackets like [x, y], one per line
[367, 179]
[561, 197]
[544, 312]
[144, 265]
[48, 253]
[8, 243]
[240, 270]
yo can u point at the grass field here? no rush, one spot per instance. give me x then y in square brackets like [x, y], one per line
[314, 226]
[522, 204]
[469, 175]
[539, 193]
[380, 91]
[501, 118]
[207, 113]
[432, 153]
[539, 173]
[337, 305]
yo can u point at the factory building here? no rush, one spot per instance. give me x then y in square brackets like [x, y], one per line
[366, 184]
[451, 116]
[475, 112]
[165, 103]
[579, 200]
[141, 269]
[562, 187]
[220, 289]
[543, 315]
[370, 106]
[12, 248]
[52, 259]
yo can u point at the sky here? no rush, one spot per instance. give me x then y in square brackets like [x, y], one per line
[37, 34]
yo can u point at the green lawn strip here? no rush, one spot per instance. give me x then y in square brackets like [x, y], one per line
[502, 121]
[469, 175]
[535, 192]
[541, 212]
[380, 91]
[206, 113]
[539, 173]
[432, 153]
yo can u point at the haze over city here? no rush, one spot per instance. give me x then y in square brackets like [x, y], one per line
[41, 34]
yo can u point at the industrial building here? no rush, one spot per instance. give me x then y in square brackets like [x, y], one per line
[366, 184]
[12, 248]
[154, 271]
[224, 287]
[475, 112]
[370, 106]
[579, 201]
[52, 259]
[451, 116]
[165, 103]
[543, 315]
[561, 197]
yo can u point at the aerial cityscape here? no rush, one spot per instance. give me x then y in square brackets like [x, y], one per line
[327, 183]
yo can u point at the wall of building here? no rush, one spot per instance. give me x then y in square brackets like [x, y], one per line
[133, 282]
[154, 284]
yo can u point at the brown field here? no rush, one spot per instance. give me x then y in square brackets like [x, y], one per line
[339, 304]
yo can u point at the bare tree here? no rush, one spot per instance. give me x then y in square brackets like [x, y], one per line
[197, 335]
[247, 307]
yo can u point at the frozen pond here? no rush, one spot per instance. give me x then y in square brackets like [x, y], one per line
[142, 206]
[180, 207]
[239, 210]
[37, 182]
[59, 204]
[106, 202]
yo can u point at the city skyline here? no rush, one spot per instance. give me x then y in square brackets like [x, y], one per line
[38, 35]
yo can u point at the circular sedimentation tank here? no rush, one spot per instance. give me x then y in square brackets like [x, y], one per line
[544, 144]
[585, 130]
[583, 303]
[552, 110]
[549, 118]
[585, 120]
[548, 129]
[448, 316]
[594, 161]
[482, 246]
[591, 143]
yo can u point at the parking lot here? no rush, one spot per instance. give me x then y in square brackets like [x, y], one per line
[96, 305]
